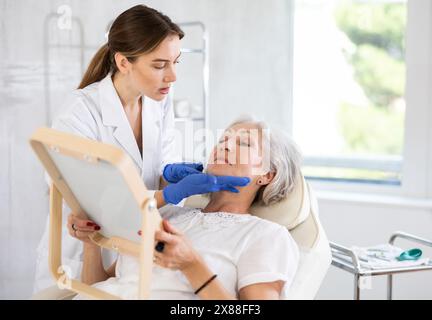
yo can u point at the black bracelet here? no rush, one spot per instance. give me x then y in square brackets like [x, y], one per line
[206, 283]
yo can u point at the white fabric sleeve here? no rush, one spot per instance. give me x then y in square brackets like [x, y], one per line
[77, 119]
[168, 210]
[170, 146]
[273, 255]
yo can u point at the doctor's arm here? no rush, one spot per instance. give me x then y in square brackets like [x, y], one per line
[162, 183]
[159, 199]
[158, 195]
[199, 183]
[173, 173]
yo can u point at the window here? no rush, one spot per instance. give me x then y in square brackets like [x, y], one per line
[349, 87]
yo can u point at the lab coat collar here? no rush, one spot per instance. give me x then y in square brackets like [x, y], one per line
[113, 115]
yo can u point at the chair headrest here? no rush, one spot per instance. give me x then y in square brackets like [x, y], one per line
[289, 212]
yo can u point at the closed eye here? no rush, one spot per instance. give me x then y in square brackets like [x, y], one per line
[160, 67]
[245, 144]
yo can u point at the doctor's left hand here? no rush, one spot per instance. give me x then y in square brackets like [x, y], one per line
[177, 252]
[201, 183]
[174, 172]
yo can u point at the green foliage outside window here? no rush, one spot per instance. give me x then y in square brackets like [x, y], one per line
[376, 31]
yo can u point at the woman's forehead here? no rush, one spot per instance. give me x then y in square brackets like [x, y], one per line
[244, 129]
[168, 49]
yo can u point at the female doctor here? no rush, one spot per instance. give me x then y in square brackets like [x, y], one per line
[123, 100]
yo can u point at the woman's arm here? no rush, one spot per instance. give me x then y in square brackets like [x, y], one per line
[198, 273]
[262, 291]
[93, 270]
[178, 254]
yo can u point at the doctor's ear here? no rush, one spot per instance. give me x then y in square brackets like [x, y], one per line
[266, 178]
[122, 63]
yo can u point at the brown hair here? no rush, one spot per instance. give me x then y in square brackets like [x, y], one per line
[136, 31]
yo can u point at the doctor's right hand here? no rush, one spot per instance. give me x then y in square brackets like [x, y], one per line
[174, 172]
[201, 183]
[80, 228]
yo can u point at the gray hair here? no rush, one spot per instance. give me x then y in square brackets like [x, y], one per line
[284, 159]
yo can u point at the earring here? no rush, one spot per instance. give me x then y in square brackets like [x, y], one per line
[259, 181]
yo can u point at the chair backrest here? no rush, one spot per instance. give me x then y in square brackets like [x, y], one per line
[299, 213]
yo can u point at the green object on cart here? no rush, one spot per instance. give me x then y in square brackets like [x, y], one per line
[412, 254]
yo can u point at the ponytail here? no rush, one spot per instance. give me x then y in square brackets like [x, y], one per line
[99, 67]
[134, 32]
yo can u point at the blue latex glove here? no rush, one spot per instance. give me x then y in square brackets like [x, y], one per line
[174, 172]
[201, 183]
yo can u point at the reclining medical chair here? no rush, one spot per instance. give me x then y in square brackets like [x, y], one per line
[298, 212]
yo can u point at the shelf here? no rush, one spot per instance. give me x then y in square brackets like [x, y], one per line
[199, 48]
[347, 265]
[191, 50]
[189, 119]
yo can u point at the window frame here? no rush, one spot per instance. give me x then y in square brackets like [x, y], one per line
[417, 152]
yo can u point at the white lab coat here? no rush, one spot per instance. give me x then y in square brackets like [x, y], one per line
[96, 112]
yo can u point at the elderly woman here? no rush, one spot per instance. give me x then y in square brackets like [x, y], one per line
[221, 251]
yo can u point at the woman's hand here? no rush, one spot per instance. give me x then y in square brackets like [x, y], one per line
[174, 172]
[80, 227]
[177, 253]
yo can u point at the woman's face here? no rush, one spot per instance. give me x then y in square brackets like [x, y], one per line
[238, 152]
[152, 74]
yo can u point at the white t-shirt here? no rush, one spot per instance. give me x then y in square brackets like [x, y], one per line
[241, 249]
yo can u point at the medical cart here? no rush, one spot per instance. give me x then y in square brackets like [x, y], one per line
[346, 259]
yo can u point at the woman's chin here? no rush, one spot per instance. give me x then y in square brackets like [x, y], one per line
[156, 96]
[217, 169]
